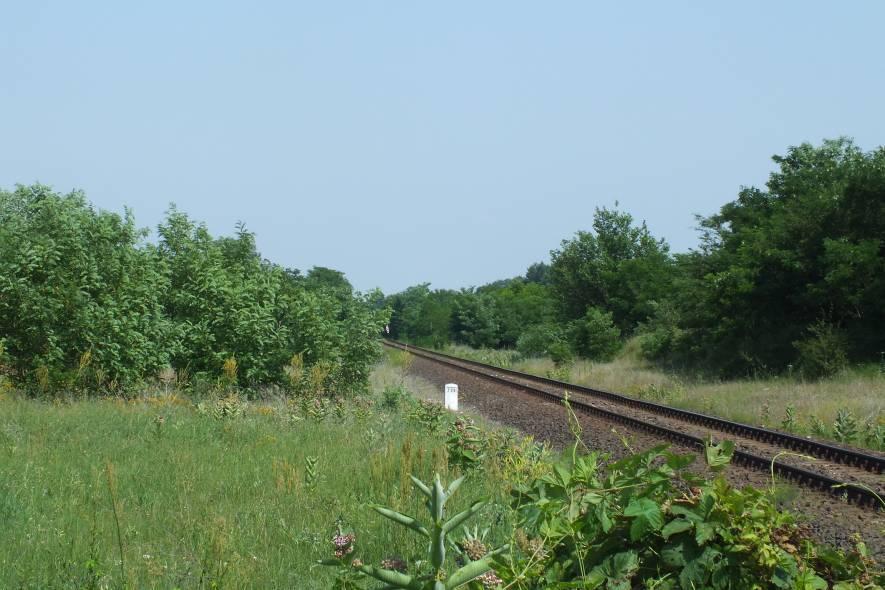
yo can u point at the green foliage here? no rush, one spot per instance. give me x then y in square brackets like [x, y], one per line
[392, 397]
[428, 414]
[775, 261]
[541, 340]
[789, 422]
[874, 433]
[87, 305]
[466, 445]
[474, 321]
[595, 336]
[660, 334]
[73, 282]
[436, 531]
[618, 267]
[645, 522]
[845, 427]
[823, 352]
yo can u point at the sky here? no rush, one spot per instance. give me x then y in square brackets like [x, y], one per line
[453, 143]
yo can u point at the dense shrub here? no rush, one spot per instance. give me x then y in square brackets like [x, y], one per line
[645, 522]
[595, 336]
[86, 303]
[81, 295]
[823, 352]
[539, 340]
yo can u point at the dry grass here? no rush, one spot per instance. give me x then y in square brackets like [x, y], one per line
[393, 372]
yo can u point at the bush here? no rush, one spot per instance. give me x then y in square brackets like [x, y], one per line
[81, 295]
[538, 340]
[660, 335]
[646, 522]
[595, 336]
[823, 353]
[392, 397]
[87, 304]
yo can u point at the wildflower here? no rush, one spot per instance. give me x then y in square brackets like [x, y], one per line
[343, 544]
[490, 579]
[474, 548]
[356, 562]
[394, 563]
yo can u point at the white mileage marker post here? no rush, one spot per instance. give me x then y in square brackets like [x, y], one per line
[451, 400]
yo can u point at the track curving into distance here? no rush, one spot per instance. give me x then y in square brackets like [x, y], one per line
[756, 448]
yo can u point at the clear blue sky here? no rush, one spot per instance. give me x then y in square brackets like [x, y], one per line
[403, 142]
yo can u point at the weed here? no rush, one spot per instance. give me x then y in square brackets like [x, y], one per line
[845, 427]
[229, 372]
[874, 433]
[311, 472]
[392, 397]
[466, 445]
[765, 413]
[789, 422]
[818, 428]
[436, 531]
[428, 414]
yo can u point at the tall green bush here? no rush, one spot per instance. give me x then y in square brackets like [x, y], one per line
[80, 292]
[595, 336]
[86, 303]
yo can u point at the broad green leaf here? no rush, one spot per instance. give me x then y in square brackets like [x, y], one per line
[396, 579]
[704, 531]
[402, 519]
[676, 526]
[456, 520]
[473, 569]
[718, 456]
[646, 515]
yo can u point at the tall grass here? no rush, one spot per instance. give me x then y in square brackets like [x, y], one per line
[200, 502]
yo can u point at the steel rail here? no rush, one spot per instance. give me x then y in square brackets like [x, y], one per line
[804, 477]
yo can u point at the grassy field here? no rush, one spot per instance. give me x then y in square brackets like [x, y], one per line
[815, 404]
[201, 501]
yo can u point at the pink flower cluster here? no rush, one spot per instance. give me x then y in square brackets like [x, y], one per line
[489, 579]
[343, 544]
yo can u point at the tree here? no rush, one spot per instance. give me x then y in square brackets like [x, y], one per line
[539, 272]
[775, 263]
[618, 267]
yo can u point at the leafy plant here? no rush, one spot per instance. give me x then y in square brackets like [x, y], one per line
[437, 531]
[311, 472]
[392, 397]
[595, 336]
[428, 414]
[818, 428]
[845, 427]
[874, 433]
[645, 522]
[466, 445]
[823, 352]
[789, 422]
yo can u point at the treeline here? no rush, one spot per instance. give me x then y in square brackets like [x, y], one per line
[787, 278]
[87, 303]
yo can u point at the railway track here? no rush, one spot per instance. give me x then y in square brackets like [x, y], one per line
[756, 448]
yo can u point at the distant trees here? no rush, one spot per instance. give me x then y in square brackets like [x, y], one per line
[781, 268]
[85, 302]
[790, 275]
